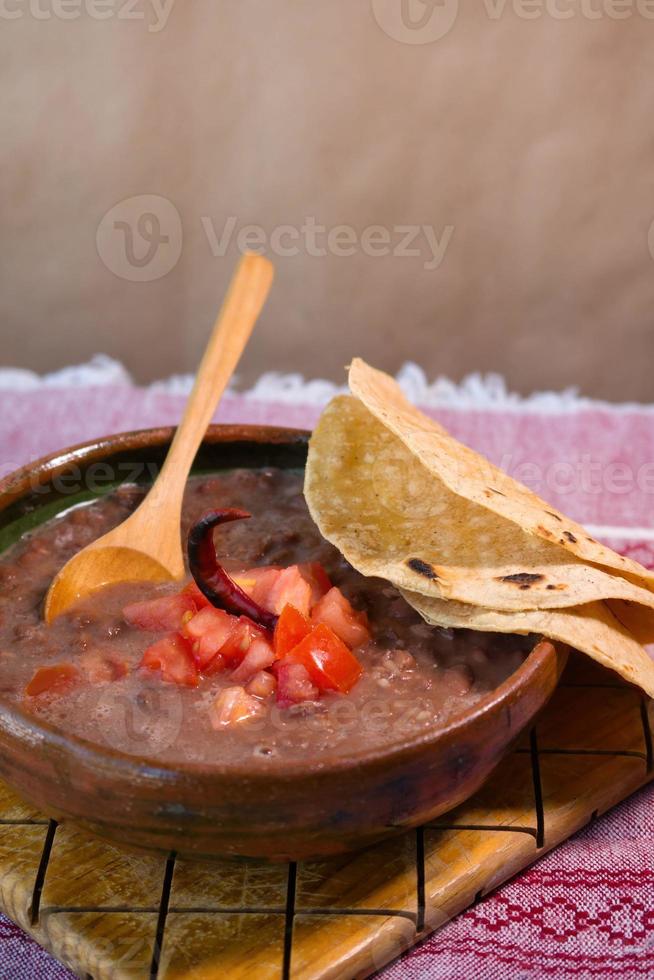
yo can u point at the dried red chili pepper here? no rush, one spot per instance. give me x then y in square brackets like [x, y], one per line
[212, 579]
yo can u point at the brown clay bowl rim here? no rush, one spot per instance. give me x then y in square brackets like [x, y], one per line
[14, 718]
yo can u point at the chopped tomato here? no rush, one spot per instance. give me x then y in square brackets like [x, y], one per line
[290, 588]
[102, 668]
[208, 631]
[233, 705]
[294, 684]
[317, 578]
[215, 665]
[54, 679]
[262, 685]
[331, 665]
[259, 656]
[258, 582]
[238, 643]
[274, 587]
[160, 615]
[291, 627]
[172, 656]
[335, 611]
[197, 596]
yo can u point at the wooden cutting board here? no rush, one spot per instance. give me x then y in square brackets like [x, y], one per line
[112, 914]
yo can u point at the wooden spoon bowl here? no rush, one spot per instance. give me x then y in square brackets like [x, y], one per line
[292, 812]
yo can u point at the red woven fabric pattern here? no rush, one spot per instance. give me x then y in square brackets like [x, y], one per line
[585, 910]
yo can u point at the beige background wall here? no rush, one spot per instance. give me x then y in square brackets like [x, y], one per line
[532, 139]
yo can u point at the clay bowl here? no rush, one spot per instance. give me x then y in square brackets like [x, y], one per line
[194, 810]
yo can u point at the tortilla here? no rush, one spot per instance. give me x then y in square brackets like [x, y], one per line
[392, 517]
[472, 476]
[590, 628]
[637, 619]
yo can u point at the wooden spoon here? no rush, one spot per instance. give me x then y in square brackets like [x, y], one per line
[147, 546]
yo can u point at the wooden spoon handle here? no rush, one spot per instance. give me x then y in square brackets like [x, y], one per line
[243, 303]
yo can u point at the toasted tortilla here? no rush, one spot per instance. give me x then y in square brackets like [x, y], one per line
[472, 476]
[637, 619]
[392, 517]
[590, 628]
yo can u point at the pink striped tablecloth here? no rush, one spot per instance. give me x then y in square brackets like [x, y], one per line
[587, 909]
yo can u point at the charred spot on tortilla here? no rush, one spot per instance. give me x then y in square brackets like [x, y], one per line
[545, 531]
[523, 580]
[569, 536]
[552, 514]
[422, 568]
[498, 492]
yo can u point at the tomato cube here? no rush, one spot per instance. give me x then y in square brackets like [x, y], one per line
[196, 595]
[238, 643]
[291, 627]
[258, 582]
[274, 587]
[160, 615]
[103, 668]
[294, 684]
[317, 578]
[54, 679]
[335, 611]
[232, 706]
[290, 588]
[262, 685]
[172, 656]
[259, 656]
[330, 664]
[215, 665]
[208, 631]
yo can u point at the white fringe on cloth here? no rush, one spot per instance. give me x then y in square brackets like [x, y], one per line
[480, 391]
[476, 391]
